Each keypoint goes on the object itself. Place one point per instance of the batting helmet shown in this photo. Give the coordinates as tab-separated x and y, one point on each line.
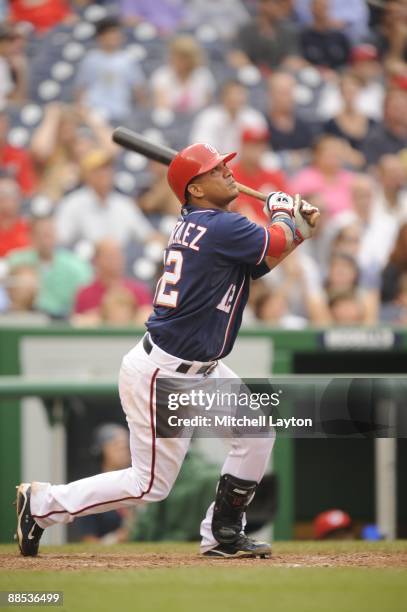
330	521
191	162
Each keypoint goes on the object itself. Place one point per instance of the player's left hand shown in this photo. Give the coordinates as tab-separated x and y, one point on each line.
303	213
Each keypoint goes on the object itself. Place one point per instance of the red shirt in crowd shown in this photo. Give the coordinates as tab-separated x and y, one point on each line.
91	296
14	237
43	14
261	180
20	165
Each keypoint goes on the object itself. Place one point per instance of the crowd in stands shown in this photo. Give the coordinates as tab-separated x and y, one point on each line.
311	93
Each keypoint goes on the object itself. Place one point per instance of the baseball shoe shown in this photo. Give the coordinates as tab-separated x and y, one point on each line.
28	531
243	548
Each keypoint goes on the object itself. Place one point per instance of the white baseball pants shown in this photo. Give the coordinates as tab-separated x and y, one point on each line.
155	461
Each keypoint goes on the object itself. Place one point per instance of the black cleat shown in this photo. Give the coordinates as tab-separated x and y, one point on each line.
28	531
242	548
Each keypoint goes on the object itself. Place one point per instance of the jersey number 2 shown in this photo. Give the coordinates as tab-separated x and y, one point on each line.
170	277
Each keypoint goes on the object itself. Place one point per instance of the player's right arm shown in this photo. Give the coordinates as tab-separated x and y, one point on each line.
237	239
290	246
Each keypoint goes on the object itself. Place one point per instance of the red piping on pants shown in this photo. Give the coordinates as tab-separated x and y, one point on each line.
152	464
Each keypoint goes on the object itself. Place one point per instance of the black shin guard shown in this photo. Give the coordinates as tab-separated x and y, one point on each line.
232	498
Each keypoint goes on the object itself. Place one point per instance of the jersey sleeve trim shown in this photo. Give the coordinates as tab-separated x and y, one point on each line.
265	247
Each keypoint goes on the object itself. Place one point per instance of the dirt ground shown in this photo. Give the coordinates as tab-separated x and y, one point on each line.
118	561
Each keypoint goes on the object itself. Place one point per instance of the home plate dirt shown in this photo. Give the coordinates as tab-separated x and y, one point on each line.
49	561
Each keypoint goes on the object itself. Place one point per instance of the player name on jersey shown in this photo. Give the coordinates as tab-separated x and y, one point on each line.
187	234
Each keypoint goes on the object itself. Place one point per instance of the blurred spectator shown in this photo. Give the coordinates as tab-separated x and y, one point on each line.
111	448
165	15
224	16
268	41
96	211
288	133
126	295
250	171
271	307
390	34
6	79
396	268
17	161
343	278
109	78
391	135
14	230
353	16
391	193
395	310
184	84
350	124
323	42
347	308
59	142
221	125
333	525
61	272
22	284
298	279
119	308
366	67
158	198
42	14
326	175
377	226
13	65
348	241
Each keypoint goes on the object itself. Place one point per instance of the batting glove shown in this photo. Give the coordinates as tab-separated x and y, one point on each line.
279	203
303	229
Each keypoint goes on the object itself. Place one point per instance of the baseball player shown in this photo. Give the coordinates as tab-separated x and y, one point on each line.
210	259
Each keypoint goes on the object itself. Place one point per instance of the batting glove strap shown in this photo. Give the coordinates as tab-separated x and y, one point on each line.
298	236
287	221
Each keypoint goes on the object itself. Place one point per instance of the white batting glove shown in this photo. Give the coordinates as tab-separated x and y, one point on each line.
279	203
303	229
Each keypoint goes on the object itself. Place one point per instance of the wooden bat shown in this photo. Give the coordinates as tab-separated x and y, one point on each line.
133	141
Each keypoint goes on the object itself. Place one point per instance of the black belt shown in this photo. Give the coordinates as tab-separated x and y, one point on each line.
183	367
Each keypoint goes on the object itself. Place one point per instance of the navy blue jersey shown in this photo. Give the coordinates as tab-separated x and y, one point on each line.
200	298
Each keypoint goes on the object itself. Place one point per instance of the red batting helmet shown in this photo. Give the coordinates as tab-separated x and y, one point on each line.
191	162
330	521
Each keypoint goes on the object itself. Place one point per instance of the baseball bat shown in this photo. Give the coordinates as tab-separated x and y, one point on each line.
133	141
